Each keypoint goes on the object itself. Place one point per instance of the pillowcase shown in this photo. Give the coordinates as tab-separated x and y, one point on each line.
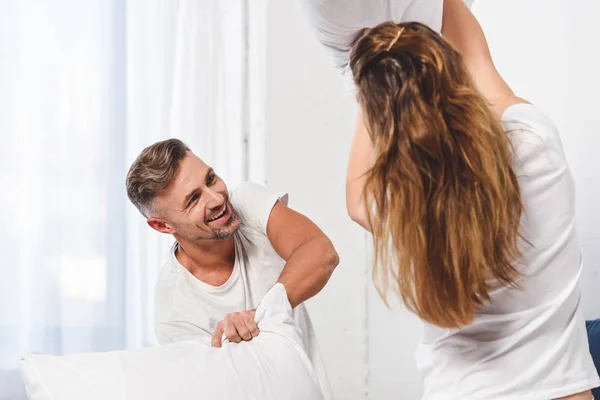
274	365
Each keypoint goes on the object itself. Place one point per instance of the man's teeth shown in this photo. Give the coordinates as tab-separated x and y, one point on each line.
219	215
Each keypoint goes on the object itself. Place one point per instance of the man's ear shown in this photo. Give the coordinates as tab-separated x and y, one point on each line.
160	225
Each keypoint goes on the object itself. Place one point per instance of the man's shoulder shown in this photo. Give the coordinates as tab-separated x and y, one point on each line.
256	196
167	277
166	286
168	274
245	189
253	204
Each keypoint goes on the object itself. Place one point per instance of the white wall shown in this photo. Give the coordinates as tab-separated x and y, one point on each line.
368	349
550	55
309	126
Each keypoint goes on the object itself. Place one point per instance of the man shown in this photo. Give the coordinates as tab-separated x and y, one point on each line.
230	249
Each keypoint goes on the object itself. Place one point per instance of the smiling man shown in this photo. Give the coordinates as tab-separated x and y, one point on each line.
230	249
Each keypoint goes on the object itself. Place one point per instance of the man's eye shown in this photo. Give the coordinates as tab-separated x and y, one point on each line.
211	179
193	199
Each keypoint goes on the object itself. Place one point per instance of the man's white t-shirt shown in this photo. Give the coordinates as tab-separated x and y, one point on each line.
188	308
528	343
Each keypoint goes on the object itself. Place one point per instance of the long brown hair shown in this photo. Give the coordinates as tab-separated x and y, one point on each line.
447	201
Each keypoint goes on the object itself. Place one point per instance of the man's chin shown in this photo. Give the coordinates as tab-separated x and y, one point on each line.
223	235
228	231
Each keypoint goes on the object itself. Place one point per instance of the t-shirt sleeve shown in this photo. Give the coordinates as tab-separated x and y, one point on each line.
253	204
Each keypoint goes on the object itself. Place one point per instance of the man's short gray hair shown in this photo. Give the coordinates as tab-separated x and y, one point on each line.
152	172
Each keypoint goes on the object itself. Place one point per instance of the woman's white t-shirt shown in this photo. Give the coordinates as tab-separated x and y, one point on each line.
529	343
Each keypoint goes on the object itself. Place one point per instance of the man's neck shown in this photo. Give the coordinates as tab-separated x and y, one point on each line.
211	261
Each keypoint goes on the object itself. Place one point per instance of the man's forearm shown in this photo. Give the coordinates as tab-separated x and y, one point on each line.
308	269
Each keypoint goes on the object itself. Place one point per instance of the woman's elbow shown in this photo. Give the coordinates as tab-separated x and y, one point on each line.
354	213
353	206
358	215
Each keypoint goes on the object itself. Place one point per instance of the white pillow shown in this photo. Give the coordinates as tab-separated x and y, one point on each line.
273	365
336	23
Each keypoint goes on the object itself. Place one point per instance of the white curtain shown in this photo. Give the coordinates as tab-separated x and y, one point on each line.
186	74
84	86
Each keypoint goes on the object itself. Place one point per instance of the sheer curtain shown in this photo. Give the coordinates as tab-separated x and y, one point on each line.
186	74
84	86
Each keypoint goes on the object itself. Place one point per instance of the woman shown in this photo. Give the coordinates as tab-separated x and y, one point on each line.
468	194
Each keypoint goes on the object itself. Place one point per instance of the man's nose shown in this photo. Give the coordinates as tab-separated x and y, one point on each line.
213	198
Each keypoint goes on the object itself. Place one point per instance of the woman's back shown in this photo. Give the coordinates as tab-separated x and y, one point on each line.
528	342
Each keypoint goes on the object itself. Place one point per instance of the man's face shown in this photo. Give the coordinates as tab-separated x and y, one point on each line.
196	205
